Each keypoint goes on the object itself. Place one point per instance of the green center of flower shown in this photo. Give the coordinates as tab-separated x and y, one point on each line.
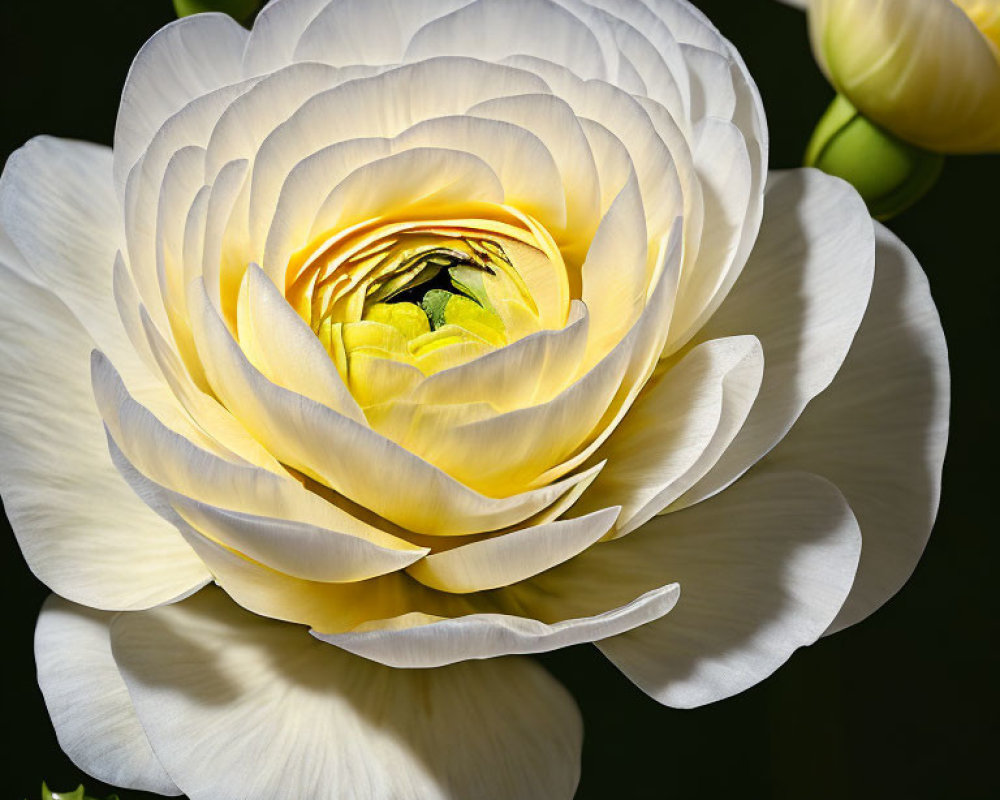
436	286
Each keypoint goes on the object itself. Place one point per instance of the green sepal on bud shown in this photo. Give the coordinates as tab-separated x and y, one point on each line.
76	794
890	174
240	10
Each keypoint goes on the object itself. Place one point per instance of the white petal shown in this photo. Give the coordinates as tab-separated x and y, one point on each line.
492	29
58	206
523	164
239	708
289	224
280	344
728	192
314	438
432	175
82	530
512	556
763	567
802	293
276	32
553	121
183	60
87	700
146	450
532	370
879	432
616	274
368	31
407	95
665	435
352	552
423	643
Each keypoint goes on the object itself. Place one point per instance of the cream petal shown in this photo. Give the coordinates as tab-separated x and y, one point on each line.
88	702
727	189
278	343
190	127
313	438
183	60
346	727
523	164
368	31
250	118
58	206
163	456
616	273
493	29
553	121
432	175
354	552
276	32
763	567
645	341
229	438
512	556
476	636
654	54
665	435
812	270
221	279
712	90
879	431
81	529
302	194
525	443
530	371
654	163
407	95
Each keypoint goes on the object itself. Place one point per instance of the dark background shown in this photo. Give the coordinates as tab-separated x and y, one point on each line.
902	705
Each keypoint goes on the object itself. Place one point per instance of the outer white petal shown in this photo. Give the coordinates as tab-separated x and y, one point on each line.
184	60
802	293
879	432
58	206
87	700
670	429
512	556
764	567
82	530
420	641
282	347
493	29
239	708
368	31
276	32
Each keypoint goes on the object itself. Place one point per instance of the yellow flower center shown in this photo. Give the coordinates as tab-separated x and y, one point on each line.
396	299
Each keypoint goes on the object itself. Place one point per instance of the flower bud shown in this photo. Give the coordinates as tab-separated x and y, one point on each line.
890	174
928	71
240	10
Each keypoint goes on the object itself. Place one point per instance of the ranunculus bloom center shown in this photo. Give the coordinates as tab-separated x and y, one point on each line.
395	299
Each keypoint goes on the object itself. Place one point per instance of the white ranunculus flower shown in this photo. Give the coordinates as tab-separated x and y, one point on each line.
449	330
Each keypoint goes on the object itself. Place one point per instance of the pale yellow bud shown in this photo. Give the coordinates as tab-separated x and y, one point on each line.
927	70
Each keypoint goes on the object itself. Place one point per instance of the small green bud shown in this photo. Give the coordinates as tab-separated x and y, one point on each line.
240	10
76	794
433	304
890	174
